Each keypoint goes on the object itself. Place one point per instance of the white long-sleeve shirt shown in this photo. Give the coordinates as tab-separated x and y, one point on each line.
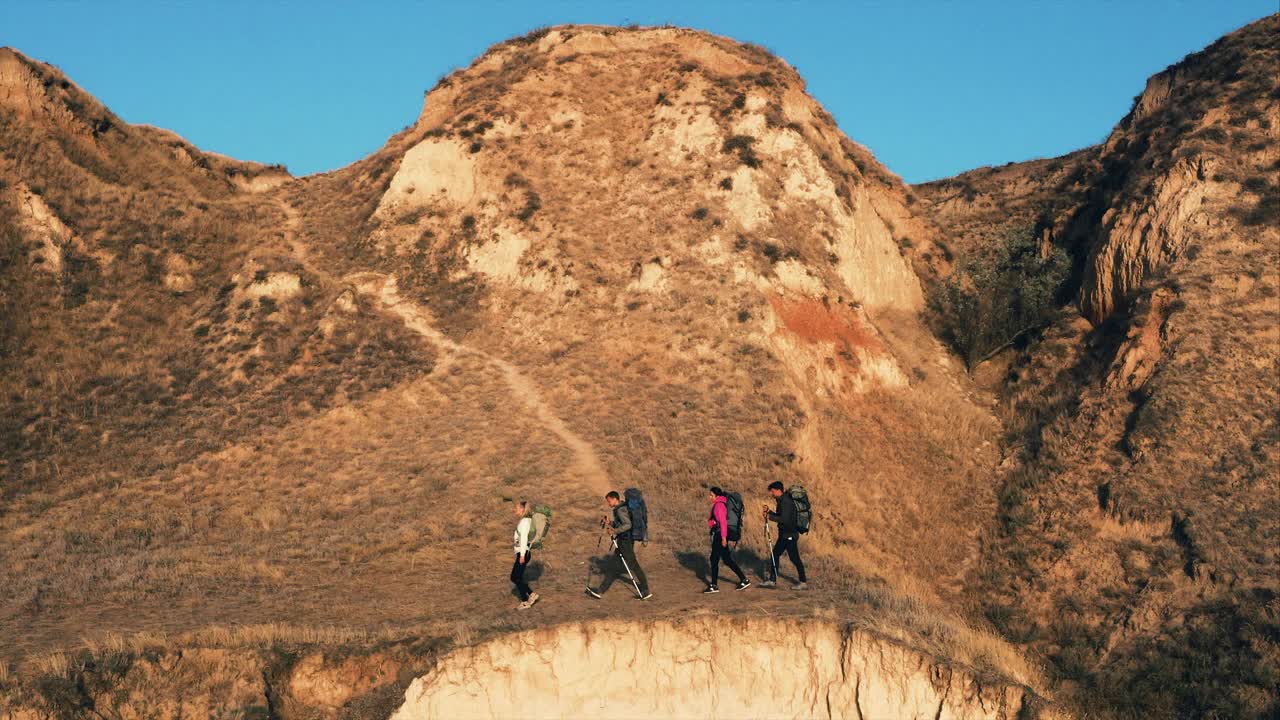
521	539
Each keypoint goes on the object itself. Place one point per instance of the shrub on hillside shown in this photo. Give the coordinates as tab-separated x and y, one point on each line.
993	300
742	145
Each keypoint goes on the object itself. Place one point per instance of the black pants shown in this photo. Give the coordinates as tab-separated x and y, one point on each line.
626	551
719	551
791	544
517	576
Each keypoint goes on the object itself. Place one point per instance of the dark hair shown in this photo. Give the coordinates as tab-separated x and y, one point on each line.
613	494
775	485
716	491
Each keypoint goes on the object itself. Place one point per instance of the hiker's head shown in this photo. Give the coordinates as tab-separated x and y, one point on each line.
521	507
775	489
714	493
613	499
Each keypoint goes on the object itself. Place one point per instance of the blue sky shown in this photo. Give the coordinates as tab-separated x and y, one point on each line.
932	88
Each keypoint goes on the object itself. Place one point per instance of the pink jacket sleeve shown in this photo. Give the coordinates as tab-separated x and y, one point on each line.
721	513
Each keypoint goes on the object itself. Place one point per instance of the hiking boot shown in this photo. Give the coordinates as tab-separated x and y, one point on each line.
533	598
743	585
711	590
646	596
768	583
594	594
800	586
524	605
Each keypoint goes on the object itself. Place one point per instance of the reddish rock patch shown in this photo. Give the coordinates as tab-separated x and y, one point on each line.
819	321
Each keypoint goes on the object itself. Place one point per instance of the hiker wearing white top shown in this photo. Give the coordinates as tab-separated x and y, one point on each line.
524	527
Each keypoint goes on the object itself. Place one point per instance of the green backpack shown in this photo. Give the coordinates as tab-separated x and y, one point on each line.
541	524
804	511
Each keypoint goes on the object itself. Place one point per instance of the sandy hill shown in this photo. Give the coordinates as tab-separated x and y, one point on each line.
264	430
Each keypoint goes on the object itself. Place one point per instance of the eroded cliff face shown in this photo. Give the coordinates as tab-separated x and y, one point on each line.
1140	237
702	668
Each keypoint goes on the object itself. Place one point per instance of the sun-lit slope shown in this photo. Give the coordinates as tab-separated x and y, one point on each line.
599	258
1137	546
705	277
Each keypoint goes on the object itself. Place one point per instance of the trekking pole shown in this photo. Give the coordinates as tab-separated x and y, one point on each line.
627	568
768	547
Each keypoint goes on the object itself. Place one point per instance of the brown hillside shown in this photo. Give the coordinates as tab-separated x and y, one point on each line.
600	258
261	433
1137	540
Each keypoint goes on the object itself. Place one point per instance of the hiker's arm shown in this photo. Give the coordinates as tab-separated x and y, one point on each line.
722	521
522	535
621	521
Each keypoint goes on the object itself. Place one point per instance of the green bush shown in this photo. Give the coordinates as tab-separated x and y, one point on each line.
992	300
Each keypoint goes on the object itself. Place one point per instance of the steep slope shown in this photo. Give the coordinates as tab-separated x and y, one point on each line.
600	258
1137	546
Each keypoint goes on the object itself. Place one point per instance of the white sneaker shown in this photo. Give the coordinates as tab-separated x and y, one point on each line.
533	598
524	605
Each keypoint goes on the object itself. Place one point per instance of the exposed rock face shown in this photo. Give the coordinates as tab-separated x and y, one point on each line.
705	668
1140	237
1193	127
44	230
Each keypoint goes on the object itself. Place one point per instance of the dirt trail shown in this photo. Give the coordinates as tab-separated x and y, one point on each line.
586	463
292	222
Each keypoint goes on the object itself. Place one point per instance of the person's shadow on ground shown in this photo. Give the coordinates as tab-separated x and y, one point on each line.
747	559
604	571
696	562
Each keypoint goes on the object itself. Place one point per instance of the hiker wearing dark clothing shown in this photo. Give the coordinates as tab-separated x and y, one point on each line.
524	528
623	560
718	524
785	515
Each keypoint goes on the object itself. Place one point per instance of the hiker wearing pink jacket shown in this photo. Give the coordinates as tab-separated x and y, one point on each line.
719	526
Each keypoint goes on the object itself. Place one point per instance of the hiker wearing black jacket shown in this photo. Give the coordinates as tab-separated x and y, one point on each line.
788	536
623	560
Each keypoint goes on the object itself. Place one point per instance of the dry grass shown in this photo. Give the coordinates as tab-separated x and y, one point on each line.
1132	545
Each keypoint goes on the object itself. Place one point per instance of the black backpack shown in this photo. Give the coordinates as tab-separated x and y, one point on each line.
639	514
733	515
804	512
